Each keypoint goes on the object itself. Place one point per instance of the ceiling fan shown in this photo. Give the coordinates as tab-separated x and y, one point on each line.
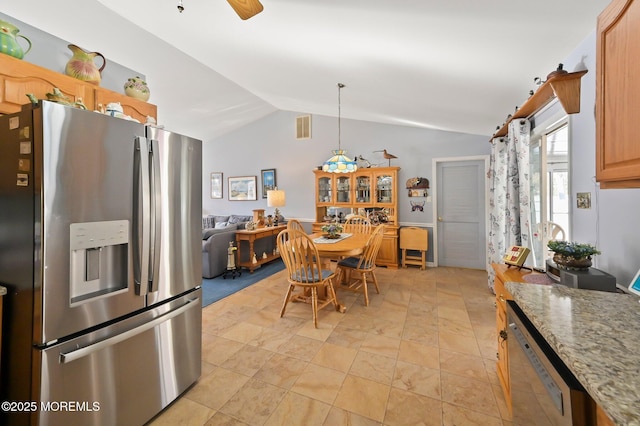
244	8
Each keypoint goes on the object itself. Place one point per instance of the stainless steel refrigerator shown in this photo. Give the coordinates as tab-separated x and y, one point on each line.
100	252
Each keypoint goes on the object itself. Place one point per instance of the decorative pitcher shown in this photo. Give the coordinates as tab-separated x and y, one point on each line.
83	67
9	40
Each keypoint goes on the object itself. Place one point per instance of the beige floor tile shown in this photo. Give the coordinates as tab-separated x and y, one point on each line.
371	366
417	379
458	343
300	347
184	412
295	409
364	397
335	356
242	332
345	336
463	364
281	371
453	415
381	345
216	388
338	416
254	402
409	409
248	360
221	419
416	353
422	352
469	393
216	350
320	383
270	339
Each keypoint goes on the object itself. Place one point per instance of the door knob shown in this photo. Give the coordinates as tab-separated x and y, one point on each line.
439	218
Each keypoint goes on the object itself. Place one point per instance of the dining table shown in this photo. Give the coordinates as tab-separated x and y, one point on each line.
347	245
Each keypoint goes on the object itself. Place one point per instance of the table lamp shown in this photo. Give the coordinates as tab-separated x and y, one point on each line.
276	198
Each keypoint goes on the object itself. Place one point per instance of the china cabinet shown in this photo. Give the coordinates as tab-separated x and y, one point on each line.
371	191
18	77
617	95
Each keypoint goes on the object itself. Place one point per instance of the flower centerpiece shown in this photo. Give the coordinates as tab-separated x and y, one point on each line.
332	230
572	255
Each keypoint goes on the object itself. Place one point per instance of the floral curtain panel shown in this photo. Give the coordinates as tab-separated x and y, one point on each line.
509	193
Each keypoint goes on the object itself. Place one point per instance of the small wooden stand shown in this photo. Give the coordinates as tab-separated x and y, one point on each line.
414	238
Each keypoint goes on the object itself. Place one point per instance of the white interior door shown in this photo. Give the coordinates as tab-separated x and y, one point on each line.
461	212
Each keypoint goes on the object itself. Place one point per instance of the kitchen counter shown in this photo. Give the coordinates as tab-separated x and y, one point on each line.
597	335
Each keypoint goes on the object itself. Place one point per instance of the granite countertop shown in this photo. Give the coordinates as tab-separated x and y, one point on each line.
597	335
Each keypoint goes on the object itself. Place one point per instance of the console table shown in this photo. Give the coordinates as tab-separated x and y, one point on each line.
251	237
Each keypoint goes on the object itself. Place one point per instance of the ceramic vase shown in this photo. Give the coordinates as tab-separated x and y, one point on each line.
9	40
137	88
82	65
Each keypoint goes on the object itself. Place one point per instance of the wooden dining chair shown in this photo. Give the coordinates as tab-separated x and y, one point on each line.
356	268
304	270
357	224
295	224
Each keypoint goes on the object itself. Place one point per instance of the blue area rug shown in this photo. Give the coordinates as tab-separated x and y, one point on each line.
214	289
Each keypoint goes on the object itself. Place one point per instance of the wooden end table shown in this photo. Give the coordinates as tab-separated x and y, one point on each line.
251	237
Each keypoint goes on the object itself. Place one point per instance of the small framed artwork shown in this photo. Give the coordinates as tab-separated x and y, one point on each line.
216	185
268	181
242	188
583	200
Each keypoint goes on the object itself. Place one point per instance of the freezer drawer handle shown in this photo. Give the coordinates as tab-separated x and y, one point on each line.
87	350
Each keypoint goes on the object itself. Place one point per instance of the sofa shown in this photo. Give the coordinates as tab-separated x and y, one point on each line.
217	232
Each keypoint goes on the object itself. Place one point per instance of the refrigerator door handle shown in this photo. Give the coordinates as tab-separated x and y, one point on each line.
156	218
141	215
67	357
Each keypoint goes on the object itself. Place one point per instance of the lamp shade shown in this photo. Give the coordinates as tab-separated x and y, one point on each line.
340	163
276	198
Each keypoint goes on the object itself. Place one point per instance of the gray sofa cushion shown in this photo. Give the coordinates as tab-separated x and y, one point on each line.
206	233
234	218
210	220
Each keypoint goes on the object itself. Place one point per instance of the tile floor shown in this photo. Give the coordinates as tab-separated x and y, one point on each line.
422	353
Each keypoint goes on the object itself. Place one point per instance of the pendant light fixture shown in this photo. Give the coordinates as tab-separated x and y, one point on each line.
339	162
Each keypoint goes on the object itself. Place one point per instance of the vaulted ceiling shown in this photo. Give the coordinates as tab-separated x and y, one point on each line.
458	65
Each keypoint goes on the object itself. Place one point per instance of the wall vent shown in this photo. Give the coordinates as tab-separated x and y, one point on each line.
303	127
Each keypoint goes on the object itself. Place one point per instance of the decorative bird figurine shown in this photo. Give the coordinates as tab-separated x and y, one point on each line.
386	155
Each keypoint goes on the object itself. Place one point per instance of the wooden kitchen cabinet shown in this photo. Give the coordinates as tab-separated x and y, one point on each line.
369	189
618	95
18	77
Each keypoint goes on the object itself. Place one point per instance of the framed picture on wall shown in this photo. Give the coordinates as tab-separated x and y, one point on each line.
268	181
242	188
216	185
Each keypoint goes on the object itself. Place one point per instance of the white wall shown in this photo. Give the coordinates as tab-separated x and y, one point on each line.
612	222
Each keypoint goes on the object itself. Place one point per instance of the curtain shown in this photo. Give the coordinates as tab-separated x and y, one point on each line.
509	194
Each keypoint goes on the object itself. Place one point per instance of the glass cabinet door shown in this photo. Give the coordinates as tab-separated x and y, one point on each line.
324	190
343	189
363	189
384	189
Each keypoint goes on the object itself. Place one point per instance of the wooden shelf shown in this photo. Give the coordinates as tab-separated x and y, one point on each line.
566	87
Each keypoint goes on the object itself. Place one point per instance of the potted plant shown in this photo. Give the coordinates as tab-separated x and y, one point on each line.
572	255
332	230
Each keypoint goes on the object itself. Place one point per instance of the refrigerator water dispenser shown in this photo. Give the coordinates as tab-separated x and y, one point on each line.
99	253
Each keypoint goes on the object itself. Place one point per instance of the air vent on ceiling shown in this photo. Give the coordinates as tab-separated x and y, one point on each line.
303	127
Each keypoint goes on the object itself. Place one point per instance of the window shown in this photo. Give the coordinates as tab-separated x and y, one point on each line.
550	186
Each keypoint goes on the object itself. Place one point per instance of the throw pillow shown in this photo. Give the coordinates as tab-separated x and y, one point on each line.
221	225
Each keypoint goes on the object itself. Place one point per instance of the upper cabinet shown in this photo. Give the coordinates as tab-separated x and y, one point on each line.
618	95
18	77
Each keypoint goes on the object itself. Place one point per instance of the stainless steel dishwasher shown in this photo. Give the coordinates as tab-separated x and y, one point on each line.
543	390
